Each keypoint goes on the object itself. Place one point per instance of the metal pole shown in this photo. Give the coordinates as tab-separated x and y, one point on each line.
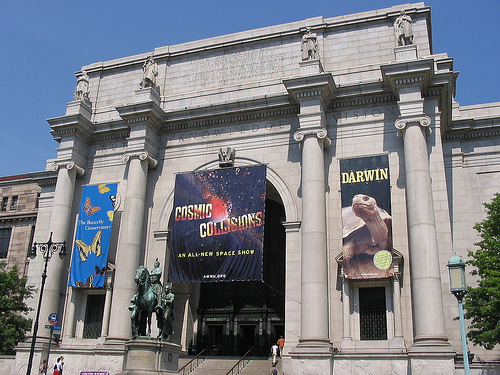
35	326
50	342
464	340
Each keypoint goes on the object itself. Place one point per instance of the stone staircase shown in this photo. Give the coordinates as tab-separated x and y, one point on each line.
221	365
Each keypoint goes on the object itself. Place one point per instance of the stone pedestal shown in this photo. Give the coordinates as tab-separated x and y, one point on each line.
310	67
151	356
408	52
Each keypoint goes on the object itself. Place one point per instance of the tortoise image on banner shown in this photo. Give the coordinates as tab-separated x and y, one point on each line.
367	239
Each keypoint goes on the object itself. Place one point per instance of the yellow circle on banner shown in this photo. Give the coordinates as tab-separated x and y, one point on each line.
382	259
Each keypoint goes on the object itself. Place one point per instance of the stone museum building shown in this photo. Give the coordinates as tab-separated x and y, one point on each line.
374	177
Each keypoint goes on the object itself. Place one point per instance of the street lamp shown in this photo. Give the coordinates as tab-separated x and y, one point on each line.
456	267
47	249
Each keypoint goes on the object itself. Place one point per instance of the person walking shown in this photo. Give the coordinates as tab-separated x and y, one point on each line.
274	370
58	366
281	344
274	353
43	367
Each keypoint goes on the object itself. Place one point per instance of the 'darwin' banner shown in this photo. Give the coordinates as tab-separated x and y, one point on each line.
366	217
93	232
218	225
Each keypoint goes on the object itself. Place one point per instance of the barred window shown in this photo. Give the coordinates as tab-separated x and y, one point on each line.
4	242
372	313
5	201
93	316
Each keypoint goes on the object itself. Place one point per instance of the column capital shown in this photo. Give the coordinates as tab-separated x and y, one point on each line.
141	155
70	164
320	133
423	120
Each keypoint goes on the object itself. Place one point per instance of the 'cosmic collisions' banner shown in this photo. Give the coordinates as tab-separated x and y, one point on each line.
93	232
218	225
366	217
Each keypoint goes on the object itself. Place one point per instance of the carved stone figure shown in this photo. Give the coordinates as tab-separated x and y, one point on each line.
82	87
404	29
226	157
165	314
309	45
149	73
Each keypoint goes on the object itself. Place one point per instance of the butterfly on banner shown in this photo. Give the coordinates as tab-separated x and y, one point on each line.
88	284
88	209
94	247
99	271
103	188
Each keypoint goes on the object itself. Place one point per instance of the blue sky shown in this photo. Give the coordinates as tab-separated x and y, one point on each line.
43	43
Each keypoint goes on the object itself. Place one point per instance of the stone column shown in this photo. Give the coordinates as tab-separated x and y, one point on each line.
346	311
107	310
314	350
129	244
428	317
69	319
314	273
59	224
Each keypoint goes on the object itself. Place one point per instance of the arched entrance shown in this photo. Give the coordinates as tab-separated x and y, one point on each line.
235	317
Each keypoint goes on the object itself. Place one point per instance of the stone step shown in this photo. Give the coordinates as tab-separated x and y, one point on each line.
220	366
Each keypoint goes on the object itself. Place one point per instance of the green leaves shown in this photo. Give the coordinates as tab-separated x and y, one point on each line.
482	303
13	323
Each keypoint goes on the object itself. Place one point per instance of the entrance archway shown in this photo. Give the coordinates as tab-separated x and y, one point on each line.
249	311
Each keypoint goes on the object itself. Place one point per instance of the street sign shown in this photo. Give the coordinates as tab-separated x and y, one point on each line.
55	328
53	319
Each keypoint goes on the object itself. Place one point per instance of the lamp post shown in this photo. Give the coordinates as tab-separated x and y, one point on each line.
47	249
456	267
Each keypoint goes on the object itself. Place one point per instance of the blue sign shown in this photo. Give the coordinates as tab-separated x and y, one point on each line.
53	319
55	328
93	233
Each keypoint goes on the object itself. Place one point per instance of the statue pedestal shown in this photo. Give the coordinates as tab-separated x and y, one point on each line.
150	356
309	67
408	52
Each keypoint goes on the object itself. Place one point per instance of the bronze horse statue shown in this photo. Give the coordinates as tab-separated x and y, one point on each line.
143	304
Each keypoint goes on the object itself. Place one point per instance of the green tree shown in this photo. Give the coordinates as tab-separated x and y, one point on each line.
482	303
13	309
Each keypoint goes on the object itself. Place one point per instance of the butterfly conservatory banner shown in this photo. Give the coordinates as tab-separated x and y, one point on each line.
93	232
218	225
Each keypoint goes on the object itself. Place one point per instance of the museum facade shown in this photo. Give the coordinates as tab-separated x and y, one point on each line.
374	178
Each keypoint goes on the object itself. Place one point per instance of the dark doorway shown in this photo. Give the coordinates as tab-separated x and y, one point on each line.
247	338
215	339
250	304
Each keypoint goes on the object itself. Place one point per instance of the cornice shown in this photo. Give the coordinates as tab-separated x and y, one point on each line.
227	113
321	86
472	133
19	217
71	125
148	112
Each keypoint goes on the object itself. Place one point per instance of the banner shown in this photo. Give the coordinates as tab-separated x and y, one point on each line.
93	232
366	217
218	225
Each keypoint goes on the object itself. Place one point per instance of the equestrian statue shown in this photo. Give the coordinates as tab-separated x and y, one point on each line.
151	297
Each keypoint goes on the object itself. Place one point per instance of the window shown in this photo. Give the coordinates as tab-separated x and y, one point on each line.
372	313
4	241
93	316
13	205
5	201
